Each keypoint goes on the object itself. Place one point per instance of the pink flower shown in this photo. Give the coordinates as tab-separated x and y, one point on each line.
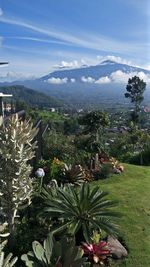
96	252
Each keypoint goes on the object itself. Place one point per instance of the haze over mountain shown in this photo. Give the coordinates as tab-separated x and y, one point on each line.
102	83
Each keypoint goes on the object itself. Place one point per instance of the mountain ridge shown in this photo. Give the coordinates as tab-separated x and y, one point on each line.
105	68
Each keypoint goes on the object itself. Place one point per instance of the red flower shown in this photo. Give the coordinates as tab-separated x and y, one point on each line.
96	252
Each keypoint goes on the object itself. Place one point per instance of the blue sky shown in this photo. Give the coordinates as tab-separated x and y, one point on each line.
37	36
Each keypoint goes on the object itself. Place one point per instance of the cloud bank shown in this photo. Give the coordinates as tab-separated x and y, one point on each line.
117	77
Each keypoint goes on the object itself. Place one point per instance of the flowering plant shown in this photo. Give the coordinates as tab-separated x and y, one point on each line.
96	252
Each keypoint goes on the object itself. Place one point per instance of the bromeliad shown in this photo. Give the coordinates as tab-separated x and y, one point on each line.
96	252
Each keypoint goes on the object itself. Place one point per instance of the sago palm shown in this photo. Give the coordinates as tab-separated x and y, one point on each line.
85	210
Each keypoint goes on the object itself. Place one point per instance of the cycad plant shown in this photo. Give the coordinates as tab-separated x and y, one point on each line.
81	211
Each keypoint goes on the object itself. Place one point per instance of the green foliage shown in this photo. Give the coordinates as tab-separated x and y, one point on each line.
94	124
20	105
31	226
71	126
30	97
85	210
94	121
54	119
57	145
16	149
104	172
54	253
136	159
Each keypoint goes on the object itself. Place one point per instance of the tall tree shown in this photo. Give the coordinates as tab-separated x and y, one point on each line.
135	90
94	124
16	149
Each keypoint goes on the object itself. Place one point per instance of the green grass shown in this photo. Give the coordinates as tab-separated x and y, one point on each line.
132	189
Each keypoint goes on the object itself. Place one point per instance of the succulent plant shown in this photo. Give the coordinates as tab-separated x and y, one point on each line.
53	253
16	149
7	261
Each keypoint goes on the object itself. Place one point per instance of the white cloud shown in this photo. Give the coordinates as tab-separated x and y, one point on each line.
147	67
72	80
103	80
82	39
71	64
40	40
1	11
122	77
115	59
87	79
117	77
54	80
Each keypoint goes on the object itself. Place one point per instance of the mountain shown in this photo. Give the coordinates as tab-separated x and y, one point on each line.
106	68
30	97
100	85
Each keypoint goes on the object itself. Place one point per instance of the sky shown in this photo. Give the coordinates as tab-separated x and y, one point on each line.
39	36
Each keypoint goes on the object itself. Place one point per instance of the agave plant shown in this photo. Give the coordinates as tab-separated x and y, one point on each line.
85	210
73	174
62	253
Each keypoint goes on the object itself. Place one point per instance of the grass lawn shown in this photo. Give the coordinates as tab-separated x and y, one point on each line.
132	189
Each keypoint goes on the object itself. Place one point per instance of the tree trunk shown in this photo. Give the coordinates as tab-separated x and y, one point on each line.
96	161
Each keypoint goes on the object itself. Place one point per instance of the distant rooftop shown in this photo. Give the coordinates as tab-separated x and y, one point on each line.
4	95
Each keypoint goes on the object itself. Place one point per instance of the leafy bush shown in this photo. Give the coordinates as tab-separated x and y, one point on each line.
104	172
136	159
57	145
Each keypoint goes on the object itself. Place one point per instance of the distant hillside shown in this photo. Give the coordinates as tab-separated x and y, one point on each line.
102	85
30	97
